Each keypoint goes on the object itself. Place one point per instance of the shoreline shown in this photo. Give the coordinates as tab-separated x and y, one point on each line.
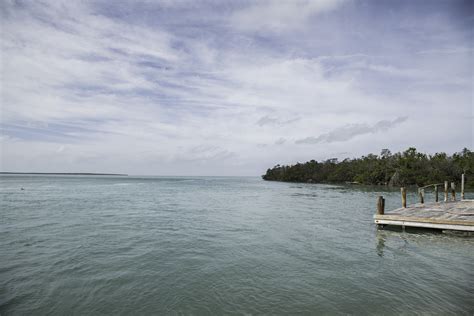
66	173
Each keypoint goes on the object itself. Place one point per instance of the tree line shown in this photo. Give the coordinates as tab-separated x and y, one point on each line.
409	167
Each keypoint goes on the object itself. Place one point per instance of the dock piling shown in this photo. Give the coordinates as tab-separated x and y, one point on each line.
380	205
436	192
453	191
421	194
446	191
404	196
462	186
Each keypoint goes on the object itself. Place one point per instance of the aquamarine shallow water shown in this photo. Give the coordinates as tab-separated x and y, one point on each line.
204	245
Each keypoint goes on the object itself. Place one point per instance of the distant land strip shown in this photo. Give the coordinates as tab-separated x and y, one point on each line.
68	173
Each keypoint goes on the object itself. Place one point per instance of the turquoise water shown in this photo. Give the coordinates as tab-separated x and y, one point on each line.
215	245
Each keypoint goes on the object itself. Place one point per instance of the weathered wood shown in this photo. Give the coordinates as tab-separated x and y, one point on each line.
446	191
404	196
458	215
424	225
380	205
430	185
422	220
421	194
436	192
462	186
453	191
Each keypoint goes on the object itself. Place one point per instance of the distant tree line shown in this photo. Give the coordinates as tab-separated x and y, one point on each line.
407	168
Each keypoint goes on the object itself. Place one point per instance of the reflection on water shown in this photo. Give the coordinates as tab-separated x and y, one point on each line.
400	233
403	236
380	243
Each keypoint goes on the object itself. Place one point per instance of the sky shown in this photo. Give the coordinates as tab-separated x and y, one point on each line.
190	87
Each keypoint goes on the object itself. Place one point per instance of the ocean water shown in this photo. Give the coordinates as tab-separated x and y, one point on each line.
216	245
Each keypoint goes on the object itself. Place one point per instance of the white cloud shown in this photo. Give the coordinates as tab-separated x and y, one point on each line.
350	131
84	90
280	15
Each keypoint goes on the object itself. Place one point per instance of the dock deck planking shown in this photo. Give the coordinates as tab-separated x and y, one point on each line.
452	215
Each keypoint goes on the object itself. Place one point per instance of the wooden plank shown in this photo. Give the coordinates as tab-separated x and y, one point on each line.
424	220
424	225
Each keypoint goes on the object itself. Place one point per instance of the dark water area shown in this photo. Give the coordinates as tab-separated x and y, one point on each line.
217	245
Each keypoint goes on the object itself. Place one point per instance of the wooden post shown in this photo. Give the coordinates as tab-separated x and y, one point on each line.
453	191
404	196
462	186
380	205
436	193
421	194
446	191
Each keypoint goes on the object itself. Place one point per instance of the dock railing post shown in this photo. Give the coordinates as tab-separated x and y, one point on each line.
453	191
421	194
404	196
380	205
436	193
462	186
446	191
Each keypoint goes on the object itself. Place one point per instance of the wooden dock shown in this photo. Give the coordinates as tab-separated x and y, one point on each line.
450	215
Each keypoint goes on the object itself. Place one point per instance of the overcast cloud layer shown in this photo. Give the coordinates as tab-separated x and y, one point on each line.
230	87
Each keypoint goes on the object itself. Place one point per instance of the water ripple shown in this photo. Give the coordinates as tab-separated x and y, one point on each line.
218	246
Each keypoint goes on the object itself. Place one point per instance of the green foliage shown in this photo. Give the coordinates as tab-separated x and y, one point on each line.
407	168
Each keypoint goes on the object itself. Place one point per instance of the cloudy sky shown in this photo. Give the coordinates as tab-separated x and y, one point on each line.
180	87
